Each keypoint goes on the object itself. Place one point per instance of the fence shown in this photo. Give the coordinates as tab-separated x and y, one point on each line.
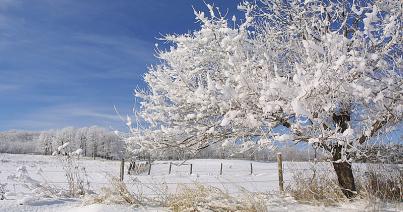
168	174
142	167
233	176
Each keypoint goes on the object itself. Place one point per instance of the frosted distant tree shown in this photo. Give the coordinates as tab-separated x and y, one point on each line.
65	135
46	142
113	145
326	73
59	139
81	139
104	143
93	136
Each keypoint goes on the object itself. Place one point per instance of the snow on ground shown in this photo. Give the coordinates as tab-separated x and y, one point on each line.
235	177
235	173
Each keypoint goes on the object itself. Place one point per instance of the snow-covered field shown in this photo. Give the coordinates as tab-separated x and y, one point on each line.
236	175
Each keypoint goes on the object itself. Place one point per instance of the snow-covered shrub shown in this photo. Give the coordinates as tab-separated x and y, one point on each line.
200	197
77	178
39	189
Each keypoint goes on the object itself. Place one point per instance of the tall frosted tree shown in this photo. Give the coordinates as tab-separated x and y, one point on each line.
323	72
341	61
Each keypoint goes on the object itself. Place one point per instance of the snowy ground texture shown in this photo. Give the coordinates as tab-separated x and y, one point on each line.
236	175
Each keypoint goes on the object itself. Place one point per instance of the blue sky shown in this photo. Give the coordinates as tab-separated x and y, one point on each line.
68	62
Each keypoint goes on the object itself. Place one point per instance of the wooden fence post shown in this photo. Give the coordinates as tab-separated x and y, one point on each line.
132	167
280	172
221	169
149	168
170	167
191	169
122	169
251	168
129	168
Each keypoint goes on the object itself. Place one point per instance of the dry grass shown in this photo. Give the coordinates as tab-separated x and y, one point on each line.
116	193
77	178
195	197
379	182
315	186
199	197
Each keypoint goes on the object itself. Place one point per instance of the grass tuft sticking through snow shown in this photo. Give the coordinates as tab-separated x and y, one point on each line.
116	193
376	183
200	197
192	197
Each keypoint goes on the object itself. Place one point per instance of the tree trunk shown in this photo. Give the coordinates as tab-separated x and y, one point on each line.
343	169
85	148
344	174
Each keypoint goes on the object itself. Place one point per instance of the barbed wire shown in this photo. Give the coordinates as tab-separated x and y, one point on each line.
156	183
255	170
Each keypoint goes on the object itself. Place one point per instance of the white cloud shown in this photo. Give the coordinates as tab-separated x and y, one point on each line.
59	116
94	114
76	110
7	87
120	49
5	4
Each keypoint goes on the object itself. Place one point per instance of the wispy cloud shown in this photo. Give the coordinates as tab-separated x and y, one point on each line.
67	62
45	63
8	87
118	50
4	4
59	116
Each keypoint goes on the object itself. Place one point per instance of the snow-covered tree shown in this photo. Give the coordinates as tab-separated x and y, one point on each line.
326	73
193	93
92	136
94	141
63	136
46	142
19	142
340	67
82	139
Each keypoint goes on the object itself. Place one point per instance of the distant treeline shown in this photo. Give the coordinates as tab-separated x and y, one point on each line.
100	142
379	153
94	142
289	151
19	142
